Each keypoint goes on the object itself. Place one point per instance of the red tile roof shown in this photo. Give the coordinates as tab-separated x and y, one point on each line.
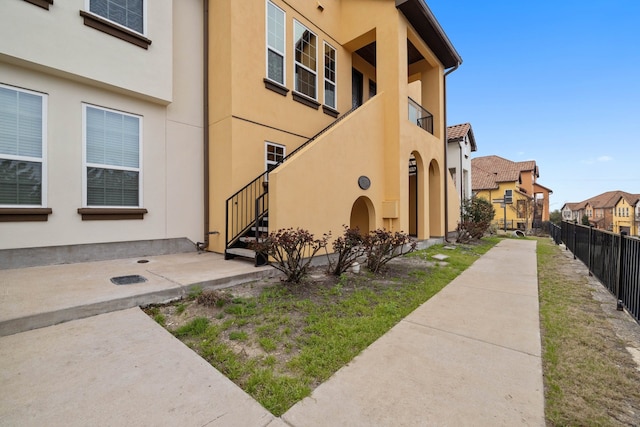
458	132
606	200
489	171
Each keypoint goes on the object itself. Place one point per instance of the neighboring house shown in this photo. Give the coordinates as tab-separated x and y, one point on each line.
460	144
572	211
122	97
101	129
495	178
625	215
614	211
325	85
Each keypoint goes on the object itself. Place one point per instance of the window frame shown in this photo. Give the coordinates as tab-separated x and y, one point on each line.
268	162
274	49
86	164
296	64
107	26
87	8
43	147
335	74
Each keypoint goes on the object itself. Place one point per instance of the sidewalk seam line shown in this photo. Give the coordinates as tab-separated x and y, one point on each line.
470	338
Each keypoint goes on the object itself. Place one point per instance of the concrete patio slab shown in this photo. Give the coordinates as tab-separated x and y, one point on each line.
36	297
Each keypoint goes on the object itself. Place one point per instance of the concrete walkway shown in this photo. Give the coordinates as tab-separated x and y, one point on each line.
470	356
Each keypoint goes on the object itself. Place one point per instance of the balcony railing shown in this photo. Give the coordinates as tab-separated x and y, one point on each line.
421	117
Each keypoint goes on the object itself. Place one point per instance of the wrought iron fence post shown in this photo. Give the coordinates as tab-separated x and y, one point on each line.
590	250
575	231
619	288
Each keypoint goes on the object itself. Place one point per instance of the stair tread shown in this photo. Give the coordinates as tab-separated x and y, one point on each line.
247	253
251	239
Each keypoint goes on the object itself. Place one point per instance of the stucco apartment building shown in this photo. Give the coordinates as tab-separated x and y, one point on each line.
159	120
101	129
616	211
496	178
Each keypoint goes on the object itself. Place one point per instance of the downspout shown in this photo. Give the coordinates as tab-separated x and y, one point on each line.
205	109
446	168
461	177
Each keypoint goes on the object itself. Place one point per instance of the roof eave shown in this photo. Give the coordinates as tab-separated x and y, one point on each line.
428	28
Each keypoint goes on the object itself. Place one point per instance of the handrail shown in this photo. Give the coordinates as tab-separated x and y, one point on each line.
239	212
422	117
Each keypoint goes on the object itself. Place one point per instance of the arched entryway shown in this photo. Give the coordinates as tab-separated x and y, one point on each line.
435	206
362	215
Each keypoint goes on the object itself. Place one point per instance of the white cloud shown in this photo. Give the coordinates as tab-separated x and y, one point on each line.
600	159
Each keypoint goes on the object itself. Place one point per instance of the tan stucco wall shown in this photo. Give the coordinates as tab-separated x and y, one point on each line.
316	189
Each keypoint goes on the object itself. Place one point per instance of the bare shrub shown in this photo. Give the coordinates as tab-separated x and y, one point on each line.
381	246
347	248
292	251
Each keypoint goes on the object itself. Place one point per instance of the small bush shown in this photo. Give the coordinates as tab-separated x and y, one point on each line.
347	248
381	246
213	298
292	251
477	214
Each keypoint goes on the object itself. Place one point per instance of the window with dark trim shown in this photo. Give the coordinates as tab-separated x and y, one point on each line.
124	19
112	171
305	47
330	91
275	44
23	165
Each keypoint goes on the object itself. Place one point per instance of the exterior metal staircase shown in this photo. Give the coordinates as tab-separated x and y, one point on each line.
247	210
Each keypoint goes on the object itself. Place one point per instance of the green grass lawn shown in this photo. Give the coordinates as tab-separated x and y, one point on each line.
281	344
590	379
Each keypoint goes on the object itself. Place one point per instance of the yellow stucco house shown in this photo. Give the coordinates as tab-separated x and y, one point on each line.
311	123
626	214
495	178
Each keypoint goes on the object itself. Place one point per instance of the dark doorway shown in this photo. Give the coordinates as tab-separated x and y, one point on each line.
357	86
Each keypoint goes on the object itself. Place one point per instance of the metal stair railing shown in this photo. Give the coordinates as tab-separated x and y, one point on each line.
247	206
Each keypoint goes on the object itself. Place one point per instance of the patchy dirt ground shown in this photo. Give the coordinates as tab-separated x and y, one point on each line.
216	305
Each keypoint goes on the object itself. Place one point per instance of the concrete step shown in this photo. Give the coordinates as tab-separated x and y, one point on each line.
246	253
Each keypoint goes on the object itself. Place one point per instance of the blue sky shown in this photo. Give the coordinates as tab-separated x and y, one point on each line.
555	81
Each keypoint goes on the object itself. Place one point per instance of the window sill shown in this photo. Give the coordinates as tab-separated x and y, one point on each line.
110	214
24	214
330	111
276	87
303	99
42	3
100	24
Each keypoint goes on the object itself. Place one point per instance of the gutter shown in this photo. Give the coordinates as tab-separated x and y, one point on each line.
446	167
205	108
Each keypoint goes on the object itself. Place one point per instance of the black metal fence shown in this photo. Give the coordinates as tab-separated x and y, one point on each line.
613	259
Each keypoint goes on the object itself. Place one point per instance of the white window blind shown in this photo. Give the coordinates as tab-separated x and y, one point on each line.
112	146
22	137
275	43
128	13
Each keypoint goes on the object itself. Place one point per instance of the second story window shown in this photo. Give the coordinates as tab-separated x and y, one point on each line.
22	148
305	64
275	43
329	76
128	13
